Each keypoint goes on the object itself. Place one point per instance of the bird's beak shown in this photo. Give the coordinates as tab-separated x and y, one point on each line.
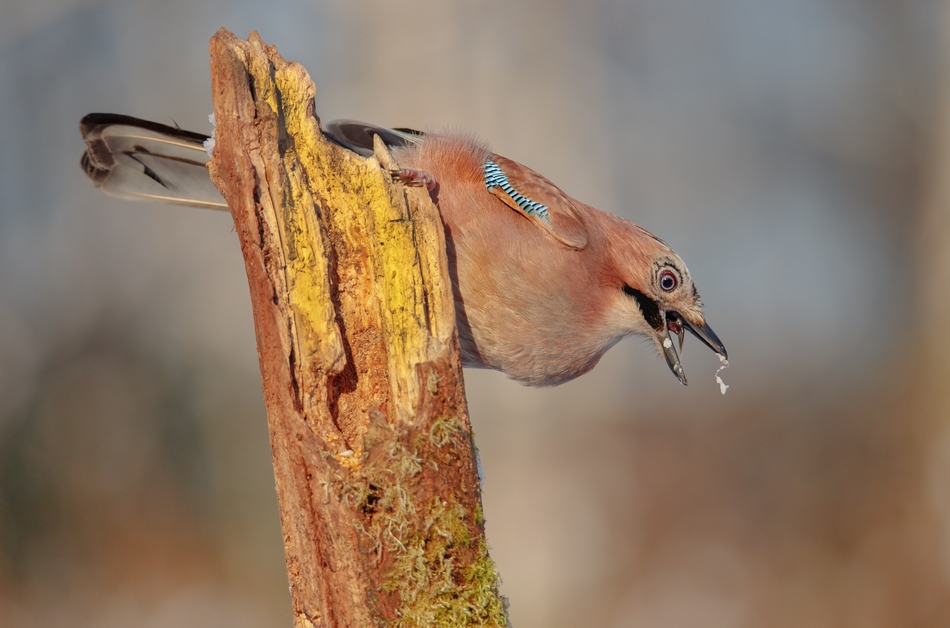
677	324
708	336
670	352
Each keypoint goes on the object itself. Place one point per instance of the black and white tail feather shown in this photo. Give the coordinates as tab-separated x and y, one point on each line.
140	160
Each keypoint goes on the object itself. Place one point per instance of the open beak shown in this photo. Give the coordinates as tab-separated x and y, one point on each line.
677	325
671	353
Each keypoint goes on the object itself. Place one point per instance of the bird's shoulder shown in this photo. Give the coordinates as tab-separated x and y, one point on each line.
462	160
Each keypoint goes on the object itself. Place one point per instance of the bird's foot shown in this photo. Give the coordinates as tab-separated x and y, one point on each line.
414	178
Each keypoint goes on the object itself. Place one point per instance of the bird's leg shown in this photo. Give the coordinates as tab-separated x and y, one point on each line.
414	178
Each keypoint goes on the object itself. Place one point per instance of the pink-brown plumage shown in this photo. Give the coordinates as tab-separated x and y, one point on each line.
530	304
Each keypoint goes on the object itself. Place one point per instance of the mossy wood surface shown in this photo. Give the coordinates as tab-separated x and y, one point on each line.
355	323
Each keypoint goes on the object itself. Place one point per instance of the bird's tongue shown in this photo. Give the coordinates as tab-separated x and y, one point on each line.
676	328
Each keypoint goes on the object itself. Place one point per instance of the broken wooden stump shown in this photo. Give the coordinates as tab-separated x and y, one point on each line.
355	322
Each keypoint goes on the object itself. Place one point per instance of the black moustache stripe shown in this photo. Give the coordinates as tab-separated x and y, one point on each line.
648	307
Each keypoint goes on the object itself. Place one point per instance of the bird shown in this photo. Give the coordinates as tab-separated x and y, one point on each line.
544	284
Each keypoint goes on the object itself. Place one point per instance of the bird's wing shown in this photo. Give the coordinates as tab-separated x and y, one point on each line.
539	200
141	160
523	189
358	136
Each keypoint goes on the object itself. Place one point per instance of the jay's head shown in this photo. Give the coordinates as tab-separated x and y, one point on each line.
655	294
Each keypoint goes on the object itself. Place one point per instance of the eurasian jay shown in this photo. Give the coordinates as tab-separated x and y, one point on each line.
544	284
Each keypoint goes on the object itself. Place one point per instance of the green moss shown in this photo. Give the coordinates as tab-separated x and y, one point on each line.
443	429
479	515
432	589
440	569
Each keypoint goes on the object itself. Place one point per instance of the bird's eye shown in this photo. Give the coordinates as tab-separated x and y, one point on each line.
668	281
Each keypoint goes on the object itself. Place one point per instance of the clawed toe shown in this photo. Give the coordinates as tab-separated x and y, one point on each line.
414	178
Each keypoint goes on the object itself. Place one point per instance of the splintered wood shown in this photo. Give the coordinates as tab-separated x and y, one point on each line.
353	312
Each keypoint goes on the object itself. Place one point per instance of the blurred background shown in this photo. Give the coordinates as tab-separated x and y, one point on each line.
796	153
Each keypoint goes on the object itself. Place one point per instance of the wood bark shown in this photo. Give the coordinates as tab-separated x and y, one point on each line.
374	460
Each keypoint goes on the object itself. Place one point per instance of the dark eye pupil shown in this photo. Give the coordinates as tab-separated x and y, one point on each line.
667	282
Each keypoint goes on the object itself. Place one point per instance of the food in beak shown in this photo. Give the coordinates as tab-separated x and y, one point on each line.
676	324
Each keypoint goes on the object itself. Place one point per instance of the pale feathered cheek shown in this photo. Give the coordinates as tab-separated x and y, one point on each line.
625	318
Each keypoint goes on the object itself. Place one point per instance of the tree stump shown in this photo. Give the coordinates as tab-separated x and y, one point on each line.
373	454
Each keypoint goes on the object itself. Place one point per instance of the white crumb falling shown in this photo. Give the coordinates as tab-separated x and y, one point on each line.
723	386
209	143
667	343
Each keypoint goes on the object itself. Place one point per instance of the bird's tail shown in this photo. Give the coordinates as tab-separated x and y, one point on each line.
140	160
